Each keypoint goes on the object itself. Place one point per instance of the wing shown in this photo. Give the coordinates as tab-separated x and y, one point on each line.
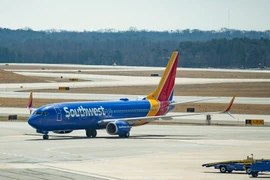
148	119
196	100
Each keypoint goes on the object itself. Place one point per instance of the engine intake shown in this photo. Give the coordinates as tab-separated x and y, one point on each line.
118	127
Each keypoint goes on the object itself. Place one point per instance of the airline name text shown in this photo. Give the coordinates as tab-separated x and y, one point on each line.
84	112
123	127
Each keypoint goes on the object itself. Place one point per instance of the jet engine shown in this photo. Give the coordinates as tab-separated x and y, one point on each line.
120	128
62	131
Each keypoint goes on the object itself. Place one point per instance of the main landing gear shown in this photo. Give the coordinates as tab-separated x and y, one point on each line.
91	133
124	135
45	136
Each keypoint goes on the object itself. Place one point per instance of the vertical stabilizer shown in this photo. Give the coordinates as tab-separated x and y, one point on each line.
165	88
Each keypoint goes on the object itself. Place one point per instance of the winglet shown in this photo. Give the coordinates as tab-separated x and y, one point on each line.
230	105
30	103
227	111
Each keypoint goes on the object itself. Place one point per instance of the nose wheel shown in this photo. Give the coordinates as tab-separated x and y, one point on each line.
45	136
91	133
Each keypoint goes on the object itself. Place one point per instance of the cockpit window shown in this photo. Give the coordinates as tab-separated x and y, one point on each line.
37	113
41	113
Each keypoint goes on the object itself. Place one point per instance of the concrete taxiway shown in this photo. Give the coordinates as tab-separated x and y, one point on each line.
104	97
159	152
108	81
76	67
152	152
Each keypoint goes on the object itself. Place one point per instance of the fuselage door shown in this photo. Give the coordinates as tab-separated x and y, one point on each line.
58	114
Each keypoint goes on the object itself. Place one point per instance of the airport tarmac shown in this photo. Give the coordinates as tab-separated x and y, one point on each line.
151	152
112	68
109	81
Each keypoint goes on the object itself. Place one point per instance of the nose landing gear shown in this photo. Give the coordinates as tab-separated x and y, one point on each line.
45	136
45	133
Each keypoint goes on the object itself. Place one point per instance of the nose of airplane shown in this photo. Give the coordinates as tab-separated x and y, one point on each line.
32	121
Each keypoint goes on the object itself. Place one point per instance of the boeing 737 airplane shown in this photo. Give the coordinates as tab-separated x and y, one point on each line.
117	117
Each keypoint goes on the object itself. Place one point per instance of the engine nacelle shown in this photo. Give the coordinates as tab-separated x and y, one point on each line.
118	127
62	131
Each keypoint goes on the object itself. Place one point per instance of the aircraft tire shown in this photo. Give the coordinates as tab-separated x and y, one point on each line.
124	135
94	133
254	174
88	133
248	170
45	136
91	133
223	169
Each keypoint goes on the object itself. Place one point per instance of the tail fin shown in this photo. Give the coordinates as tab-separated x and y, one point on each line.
30	103
165	88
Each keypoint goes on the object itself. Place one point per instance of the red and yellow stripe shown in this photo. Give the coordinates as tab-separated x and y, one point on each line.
159	100
166	83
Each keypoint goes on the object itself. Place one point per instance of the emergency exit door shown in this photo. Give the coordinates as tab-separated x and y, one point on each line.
58	114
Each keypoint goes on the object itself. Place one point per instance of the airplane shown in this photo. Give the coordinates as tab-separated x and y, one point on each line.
117	117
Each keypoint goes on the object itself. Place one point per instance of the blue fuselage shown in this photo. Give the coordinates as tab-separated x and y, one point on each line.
86	115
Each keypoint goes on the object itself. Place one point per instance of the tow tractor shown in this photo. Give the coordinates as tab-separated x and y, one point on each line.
232	165
259	166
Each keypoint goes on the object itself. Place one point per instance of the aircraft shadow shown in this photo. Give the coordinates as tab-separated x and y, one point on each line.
157	137
174	137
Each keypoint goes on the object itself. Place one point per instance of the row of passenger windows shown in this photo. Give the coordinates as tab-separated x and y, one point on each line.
132	110
115	111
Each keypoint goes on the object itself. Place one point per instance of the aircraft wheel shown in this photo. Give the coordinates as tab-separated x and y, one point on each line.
45	136
91	133
223	169
88	132
248	170
254	174
94	133
124	135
